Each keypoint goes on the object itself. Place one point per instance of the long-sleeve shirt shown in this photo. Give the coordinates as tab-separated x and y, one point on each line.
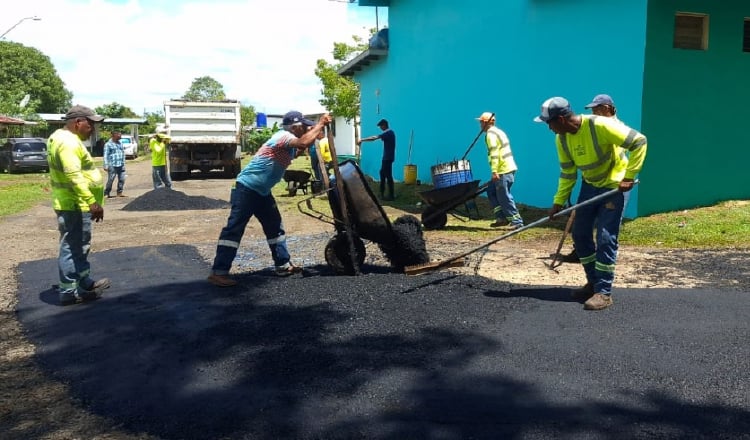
598	149
498	151
76	182
114	154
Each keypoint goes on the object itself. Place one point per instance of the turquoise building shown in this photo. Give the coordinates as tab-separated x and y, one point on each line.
676	69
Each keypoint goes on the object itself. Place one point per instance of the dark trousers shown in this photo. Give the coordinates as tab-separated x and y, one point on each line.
386	176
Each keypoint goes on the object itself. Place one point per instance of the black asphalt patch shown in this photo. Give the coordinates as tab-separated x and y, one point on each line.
385	355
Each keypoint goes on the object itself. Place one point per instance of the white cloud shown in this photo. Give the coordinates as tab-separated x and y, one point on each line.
140	53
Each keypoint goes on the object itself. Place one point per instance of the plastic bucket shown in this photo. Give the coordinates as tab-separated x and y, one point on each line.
410	174
451	173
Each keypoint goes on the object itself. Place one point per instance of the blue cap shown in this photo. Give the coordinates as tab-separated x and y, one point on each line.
553	108
601	100
295	117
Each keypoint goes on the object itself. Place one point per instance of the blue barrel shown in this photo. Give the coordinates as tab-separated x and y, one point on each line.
261	120
451	173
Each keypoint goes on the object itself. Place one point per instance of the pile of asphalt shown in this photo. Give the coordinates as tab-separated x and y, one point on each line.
384	355
164	199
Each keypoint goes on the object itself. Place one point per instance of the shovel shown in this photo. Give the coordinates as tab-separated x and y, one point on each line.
452	262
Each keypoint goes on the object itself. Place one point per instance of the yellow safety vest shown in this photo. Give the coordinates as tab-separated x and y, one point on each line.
598	150
158	152
498	151
75	180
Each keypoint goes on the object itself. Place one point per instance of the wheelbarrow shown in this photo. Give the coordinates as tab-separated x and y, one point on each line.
401	241
440	201
296	180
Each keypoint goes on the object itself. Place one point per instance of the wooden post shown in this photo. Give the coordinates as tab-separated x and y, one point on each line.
343	204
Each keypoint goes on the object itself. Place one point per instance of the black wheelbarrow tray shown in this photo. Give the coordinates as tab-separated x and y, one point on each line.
401	241
440	201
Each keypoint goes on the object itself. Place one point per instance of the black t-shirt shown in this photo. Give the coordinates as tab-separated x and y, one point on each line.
389	144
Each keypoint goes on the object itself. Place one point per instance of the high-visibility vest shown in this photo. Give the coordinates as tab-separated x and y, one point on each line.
75	180
598	149
499	154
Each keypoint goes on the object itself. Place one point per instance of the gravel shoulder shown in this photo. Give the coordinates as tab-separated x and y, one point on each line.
34	406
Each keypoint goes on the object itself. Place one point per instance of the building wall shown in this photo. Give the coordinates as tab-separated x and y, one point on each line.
695	109
450	61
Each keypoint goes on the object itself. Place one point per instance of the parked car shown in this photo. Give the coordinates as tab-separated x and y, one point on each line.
130	145
19	154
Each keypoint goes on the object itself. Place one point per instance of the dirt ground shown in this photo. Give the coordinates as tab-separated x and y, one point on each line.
34	406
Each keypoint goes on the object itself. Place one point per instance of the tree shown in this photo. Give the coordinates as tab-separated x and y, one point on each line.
205	88
27	71
247	115
340	94
115	110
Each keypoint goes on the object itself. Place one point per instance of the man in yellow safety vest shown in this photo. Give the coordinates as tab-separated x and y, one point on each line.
597	146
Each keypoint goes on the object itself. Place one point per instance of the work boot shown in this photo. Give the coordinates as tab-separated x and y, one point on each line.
221	280
498	223
583	293
121	195
287	269
599	301
94	291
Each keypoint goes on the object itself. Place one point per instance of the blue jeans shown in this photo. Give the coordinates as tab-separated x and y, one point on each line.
160	176
245	204
113	172
501	200
598	259
75	243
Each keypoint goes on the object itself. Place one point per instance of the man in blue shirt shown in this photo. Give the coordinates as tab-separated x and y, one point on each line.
114	164
252	197
389	155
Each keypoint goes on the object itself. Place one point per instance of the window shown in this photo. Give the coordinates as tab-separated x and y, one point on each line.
690	31
746	36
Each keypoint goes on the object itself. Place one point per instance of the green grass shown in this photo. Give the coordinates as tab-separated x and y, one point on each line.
724	225
19	192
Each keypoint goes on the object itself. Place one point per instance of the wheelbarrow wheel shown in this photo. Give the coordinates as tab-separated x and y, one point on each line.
337	254
432	218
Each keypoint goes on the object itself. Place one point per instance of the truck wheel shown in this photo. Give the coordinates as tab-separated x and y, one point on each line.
433	219
337	254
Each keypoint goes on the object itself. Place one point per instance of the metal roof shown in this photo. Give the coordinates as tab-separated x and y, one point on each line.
7	120
58	117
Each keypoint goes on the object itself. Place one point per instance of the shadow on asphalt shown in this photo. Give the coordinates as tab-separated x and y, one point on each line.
377	356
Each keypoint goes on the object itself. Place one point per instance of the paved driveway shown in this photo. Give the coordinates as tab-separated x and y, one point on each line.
438	356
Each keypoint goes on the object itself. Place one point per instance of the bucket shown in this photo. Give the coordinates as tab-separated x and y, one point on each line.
451	173
410	174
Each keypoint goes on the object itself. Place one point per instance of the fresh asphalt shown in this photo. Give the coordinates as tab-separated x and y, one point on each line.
382	356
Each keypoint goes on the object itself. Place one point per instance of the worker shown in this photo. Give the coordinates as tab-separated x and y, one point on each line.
77	197
590	143
503	168
325	152
601	105
389	155
158	146
252	197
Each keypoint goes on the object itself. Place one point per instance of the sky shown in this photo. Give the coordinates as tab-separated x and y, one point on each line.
140	53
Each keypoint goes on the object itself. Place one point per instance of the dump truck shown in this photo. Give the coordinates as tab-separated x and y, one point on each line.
204	138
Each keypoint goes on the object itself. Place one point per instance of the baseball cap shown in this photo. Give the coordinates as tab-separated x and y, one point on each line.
601	100
486	116
81	111
553	108
295	117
